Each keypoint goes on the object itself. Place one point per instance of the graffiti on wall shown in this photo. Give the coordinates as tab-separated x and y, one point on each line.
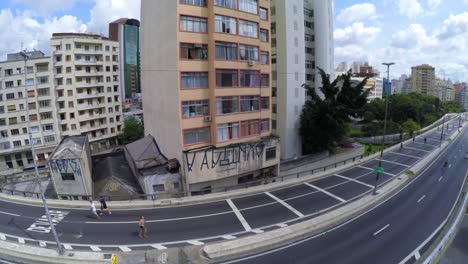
65	165
226	156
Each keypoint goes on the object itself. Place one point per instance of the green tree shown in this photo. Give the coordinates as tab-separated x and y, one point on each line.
409	126
323	121
132	131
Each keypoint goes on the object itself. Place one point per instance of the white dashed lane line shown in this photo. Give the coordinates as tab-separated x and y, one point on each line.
422	198
382	229
326	192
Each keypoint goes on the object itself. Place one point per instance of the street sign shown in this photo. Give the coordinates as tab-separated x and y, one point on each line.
114	259
378	169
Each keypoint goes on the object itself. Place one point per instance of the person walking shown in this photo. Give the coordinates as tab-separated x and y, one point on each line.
104	206
141	224
425	140
93	209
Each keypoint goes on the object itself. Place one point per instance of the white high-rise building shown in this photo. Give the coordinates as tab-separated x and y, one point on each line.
302	41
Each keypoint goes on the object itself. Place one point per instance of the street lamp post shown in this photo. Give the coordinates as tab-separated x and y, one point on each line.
442	132
33	153
384	130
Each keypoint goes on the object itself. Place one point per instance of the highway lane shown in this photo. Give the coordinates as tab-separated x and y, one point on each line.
393	230
212	221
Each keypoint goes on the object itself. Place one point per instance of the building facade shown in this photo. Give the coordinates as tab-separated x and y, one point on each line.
423	79
127	33
33	82
302	40
206	88
87	85
462	97
443	89
374	85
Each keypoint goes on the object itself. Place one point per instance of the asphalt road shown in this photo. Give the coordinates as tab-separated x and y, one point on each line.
393	230
214	221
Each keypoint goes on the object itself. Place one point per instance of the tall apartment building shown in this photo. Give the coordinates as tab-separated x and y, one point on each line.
87	86
375	86
206	89
443	89
127	33
461	96
302	40
423	79
34	81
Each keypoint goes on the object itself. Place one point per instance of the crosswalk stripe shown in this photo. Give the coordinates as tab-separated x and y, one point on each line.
195	242
95	248
159	246
125	249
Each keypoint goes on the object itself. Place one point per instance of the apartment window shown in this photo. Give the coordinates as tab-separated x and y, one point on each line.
34	129
249	6
226	51
227	3
33	117
44	103
10	96
273	28
195	108
249	103
43	92
249	78
195	136
9	84
270	153
68	176
263	13
228	131
248	29
2	122
32	106
68	46
264	57
17	143
265	80
14	132
265	125
42	80
193	24
308	13
11	108
3	133
194	2
190	80
225	24
309	77
263	35
309	38
250	128
189	51
309	50
308	24
227	105
248	53
49	139
31	94
45	116
226	78
48	127
265	103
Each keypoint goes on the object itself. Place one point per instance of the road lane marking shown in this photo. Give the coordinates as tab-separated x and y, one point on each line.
258	231
95	248
390	174
401	164
382	229
68	247
441	177
239	215
401	154
356	181
125	249
1	212
42	244
2	237
21	240
282	225
417	255
417	149
229	237
195	242
292	209
159	247
6	262
325	192
425	144
422	198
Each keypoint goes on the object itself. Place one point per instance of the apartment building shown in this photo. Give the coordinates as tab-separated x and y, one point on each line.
86	81
302	40
33	82
375	86
423	79
206	89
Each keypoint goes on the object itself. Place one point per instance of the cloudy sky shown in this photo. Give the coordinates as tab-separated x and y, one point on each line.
408	32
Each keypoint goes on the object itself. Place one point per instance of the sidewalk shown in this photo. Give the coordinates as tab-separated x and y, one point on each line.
458	251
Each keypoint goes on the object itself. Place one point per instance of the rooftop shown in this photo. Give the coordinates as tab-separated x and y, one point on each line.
69	148
78	35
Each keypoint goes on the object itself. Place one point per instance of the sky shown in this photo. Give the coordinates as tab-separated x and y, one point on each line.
407	32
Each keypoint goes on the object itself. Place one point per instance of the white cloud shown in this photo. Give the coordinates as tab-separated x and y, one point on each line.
358	12
357	33
433	4
44	7
415	36
410	8
454	25
106	11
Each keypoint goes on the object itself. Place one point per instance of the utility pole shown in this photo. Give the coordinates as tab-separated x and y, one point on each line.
384	130
33	152
442	132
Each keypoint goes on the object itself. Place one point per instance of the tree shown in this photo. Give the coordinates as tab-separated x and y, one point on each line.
323	121
132	131
409	126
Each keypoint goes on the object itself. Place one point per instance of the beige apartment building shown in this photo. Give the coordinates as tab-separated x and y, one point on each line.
206	89
35	83
86	82
423	79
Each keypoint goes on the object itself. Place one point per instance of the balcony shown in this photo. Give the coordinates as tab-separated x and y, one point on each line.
91	95
90	106
88	52
88	62
89	128
87	117
88	74
88	85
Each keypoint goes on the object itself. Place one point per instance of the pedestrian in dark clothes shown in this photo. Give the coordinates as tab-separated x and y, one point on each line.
104	206
141	224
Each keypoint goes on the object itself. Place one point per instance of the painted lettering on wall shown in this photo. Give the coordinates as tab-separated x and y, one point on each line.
63	166
42	224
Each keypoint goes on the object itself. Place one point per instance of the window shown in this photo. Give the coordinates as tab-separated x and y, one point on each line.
248	29
11	108
263	35
17	143
228	131
10	96
9	84
45	116
158	187
48	127
190	51
227	3
14	132
44	103
226	51
263	13
249	103
226	78
68	176
265	103
193	24
49	139
195	136
194	2
190	80
34	129
309	50
308	12
2	122
225	24
249	78
36	141
270	153
308	24
3	134
309	38
8	72
264	57
30	81
249	6
248	53
195	108
250	128
309	64
265	125
227	105
32	106
265	80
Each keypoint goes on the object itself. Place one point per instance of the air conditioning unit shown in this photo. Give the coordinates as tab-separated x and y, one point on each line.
207	118
252	63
